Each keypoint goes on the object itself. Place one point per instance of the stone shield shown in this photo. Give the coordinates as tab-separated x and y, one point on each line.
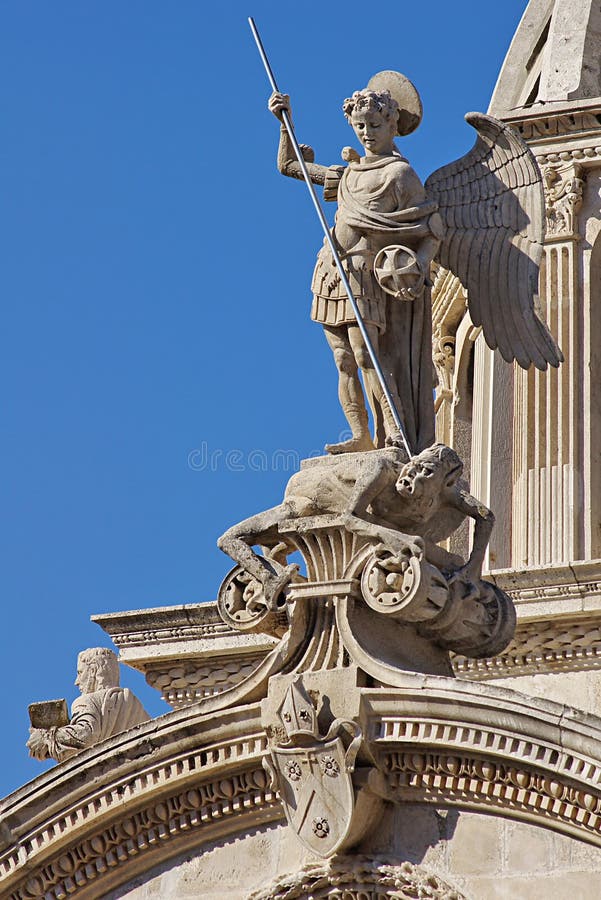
399	273
317	793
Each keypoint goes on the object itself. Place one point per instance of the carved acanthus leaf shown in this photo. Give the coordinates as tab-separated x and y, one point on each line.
564	187
355	878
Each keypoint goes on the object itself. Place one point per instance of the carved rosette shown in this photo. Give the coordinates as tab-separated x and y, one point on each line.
406	588
473	619
242	605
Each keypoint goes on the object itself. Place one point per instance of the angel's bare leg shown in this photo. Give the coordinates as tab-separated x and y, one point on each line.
350	392
384	424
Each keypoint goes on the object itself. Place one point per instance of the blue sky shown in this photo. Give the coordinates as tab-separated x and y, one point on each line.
155	288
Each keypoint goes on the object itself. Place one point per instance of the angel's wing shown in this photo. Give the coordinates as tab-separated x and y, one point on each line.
492	204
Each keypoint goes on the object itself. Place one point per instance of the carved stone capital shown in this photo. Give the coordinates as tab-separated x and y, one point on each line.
563	186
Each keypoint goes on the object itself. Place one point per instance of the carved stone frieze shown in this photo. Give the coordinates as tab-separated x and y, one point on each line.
559	622
144	627
358	878
563	644
583	155
78	870
559	125
535	773
428	777
541	592
563	187
124	808
178	633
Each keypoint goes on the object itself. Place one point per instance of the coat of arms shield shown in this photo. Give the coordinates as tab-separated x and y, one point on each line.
317	793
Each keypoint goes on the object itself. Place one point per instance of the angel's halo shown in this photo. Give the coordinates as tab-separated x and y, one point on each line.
405	93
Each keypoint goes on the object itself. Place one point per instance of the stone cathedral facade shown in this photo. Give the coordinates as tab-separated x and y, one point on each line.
301	759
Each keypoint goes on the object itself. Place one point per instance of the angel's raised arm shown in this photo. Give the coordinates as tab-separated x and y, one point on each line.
287	161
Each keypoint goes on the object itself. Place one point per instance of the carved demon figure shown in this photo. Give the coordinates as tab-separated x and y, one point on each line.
406	506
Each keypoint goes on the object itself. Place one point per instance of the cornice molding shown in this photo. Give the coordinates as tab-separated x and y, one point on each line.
493	751
187	681
541	592
559	629
564	645
559	623
545	124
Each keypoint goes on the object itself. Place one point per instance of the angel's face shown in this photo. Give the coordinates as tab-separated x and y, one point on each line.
375	131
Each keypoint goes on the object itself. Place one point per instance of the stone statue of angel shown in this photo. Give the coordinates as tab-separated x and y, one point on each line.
481	217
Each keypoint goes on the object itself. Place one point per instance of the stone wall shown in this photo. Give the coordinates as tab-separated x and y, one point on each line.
484	858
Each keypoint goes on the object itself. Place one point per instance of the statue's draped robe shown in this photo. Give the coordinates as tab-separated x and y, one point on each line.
94	718
405	341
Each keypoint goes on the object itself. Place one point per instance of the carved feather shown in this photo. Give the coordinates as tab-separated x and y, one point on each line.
492	204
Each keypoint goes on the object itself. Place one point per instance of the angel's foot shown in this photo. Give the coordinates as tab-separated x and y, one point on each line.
274	586
355	445
397	440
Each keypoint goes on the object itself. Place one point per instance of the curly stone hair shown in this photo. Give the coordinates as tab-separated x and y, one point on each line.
382	101
104	664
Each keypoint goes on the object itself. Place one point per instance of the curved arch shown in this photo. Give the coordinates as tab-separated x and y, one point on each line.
444	742
114	811
187	779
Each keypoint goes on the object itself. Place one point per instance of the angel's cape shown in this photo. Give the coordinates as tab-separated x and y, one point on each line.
405	351
405	341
